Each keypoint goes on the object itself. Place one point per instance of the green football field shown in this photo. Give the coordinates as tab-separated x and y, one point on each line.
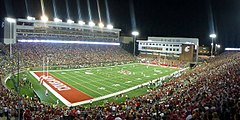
102	81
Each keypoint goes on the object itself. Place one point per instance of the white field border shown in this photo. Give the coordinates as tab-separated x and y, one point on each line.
67	103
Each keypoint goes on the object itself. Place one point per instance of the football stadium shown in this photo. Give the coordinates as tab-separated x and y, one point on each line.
53	69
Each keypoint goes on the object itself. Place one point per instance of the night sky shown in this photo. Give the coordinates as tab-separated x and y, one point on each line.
170	18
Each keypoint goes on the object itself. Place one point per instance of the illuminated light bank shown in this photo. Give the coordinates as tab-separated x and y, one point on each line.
44	18
80	22
72	42
30	18
101	25
233	49
91	24
57	20
70	21
109	26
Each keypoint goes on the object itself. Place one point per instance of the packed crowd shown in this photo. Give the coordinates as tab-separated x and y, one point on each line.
208	92
32	54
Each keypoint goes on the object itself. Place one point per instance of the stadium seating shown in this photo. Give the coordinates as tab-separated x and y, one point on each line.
31	54
209	91
68	34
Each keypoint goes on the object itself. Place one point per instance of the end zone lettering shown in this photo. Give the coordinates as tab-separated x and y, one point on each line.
55	83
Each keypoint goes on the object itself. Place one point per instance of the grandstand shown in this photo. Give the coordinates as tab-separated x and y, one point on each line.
36	30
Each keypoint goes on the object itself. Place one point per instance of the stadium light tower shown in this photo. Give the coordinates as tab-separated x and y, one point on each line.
212	36
135	34
11	21
109	26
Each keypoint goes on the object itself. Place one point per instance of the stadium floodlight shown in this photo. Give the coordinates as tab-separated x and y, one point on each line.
65	41
91	24
44	18
101	25
11	20
135	33
212	35
80	22
109	26
30	18
70	21
57	20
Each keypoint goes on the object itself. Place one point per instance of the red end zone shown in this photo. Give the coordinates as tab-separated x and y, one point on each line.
69	93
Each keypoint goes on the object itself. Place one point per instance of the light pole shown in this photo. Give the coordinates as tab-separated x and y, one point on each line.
135	34
212	44
10	20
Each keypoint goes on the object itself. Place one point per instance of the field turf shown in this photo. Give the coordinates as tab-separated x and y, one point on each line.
100	81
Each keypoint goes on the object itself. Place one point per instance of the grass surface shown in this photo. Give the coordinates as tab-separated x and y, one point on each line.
100	81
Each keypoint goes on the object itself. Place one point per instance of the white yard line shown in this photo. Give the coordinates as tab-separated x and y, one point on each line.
97	81
106	80
79	84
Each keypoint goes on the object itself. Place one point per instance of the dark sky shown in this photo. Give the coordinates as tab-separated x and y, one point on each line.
171	18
